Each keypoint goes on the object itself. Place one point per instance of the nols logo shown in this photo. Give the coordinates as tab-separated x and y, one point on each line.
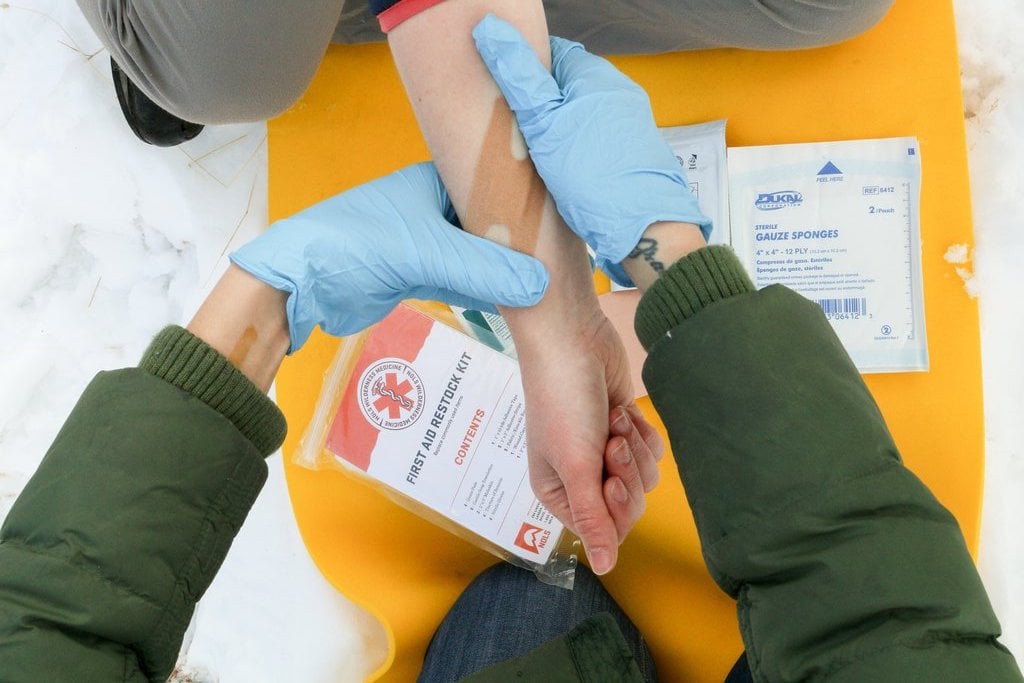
532	538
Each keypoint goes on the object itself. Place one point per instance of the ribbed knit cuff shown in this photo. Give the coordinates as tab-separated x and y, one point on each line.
601	652
186	361
693	282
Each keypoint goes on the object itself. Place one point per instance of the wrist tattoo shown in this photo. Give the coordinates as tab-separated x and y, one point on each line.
647	249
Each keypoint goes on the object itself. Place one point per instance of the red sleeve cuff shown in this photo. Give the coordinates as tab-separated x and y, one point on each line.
402	10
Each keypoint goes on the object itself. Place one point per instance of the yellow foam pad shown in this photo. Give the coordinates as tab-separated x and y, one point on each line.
901	78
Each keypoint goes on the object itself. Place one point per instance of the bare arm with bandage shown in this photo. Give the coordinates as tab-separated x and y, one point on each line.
579	397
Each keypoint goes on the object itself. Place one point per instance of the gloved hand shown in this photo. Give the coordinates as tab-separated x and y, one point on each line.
592	137
347	261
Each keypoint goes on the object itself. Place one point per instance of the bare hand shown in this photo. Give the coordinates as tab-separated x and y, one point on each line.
592	455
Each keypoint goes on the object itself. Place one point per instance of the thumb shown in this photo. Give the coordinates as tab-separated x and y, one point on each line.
473	267
522	78
592	521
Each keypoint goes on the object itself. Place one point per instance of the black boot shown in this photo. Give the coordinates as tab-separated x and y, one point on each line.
147	120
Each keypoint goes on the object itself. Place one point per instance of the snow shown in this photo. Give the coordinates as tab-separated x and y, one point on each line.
991	56
270	598
957	253
105	240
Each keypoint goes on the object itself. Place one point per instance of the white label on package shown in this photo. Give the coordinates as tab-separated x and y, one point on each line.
700	150
441	418
839	222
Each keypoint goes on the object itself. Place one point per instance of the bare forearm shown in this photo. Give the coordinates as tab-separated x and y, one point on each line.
471	133
565	338
476	145
245	320
661	245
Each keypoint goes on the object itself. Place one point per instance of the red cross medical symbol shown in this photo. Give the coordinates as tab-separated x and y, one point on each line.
392	395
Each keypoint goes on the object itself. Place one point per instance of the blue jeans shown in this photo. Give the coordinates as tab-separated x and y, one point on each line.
506	612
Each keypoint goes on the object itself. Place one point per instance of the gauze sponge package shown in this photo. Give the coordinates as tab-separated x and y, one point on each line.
839	222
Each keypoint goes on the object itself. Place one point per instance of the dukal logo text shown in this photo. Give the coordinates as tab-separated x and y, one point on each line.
770	201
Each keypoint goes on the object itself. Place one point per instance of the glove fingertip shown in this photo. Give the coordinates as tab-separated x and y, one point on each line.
489	33
520	286
539	285
522	78
532	277
482	35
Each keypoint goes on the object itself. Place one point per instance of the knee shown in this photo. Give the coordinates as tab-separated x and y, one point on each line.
209	88
808	25
220	70
215	96
498	576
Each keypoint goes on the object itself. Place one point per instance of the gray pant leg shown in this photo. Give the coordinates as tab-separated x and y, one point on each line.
650	26
235	60
216	61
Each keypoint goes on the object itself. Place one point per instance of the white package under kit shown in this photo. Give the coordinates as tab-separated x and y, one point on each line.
839	222
700	150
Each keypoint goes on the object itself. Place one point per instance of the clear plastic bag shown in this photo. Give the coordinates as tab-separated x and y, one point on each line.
426	407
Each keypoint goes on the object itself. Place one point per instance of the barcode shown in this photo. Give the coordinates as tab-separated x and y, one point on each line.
834	306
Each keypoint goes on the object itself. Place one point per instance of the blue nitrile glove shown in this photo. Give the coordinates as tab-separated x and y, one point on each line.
592	137
347	261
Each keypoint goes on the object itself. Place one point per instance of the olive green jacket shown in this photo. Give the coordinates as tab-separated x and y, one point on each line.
843	565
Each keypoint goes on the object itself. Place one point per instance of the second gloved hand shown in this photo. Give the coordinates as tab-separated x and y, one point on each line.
348	260
592	137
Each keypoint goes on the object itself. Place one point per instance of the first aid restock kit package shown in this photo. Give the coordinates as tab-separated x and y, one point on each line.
426	408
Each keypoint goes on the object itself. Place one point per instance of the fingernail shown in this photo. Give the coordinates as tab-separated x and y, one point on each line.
621	425
619	492
600	561
621	453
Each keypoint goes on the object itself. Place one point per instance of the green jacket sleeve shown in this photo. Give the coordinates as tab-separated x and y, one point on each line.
130	514
595	651
843	565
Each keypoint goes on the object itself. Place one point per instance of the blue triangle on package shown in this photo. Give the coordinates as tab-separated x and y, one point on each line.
829	169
